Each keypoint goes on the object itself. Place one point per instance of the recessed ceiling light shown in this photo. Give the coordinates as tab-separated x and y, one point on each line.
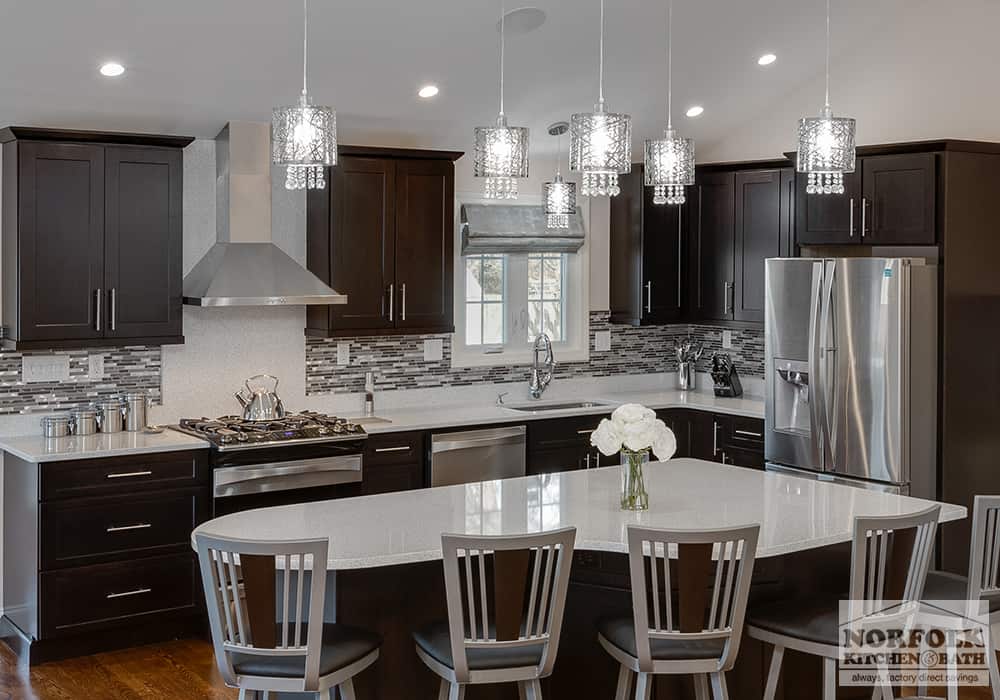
112	69
428	91
695	111
767	59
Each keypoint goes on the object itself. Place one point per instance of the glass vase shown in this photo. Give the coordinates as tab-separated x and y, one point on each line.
634	496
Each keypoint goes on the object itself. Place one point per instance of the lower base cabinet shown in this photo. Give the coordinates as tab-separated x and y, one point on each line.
393	462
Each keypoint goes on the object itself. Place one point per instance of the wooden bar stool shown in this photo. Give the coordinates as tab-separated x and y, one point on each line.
698	630
889	561
506	597
259	648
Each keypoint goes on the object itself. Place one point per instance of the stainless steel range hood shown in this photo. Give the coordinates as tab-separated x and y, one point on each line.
244	268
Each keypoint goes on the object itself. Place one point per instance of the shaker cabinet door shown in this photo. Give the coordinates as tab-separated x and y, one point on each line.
60	241
828	219
143	242
662	240
760	212
712	246
900	194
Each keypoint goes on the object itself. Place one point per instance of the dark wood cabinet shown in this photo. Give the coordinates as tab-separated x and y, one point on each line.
563	444
646	263
393	462
383	234
825	219
712	245
92	238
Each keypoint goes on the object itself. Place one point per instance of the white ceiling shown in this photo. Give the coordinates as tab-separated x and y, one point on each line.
195	64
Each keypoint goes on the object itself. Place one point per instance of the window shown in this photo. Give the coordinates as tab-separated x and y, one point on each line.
546	292
485	299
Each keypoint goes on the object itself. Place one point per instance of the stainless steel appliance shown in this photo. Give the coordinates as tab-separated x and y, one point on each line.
261	401
478	455
851	371
298	458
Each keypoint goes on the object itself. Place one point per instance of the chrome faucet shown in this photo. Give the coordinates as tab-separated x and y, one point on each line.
542	363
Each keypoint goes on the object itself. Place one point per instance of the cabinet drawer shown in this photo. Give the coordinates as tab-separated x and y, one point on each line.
739	431
107	595
74	533
97	477
394	448
563	432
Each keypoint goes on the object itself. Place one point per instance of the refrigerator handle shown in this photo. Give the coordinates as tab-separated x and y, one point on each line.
816	402
827	351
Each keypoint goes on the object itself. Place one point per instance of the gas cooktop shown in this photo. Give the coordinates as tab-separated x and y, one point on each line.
233	432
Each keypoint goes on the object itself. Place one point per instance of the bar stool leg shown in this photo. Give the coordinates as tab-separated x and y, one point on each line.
701	687
643	686
952	664
774	673
829	679
624	682
347	690
719	689
456	692
444	689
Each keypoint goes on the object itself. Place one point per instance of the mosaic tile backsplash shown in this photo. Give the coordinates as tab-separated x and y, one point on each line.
398	361
125	369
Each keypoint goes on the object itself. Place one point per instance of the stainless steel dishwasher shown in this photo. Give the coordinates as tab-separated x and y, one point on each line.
478	455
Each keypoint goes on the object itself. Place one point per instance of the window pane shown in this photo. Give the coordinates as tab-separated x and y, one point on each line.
493	279
492	324
552	312
534	320
552	279
534	277
473	288
473	324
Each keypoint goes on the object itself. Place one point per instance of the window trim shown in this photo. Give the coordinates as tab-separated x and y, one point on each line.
576	347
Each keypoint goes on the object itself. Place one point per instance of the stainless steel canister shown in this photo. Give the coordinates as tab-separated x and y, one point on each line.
83	421
110	415
135	410
56	425
686	376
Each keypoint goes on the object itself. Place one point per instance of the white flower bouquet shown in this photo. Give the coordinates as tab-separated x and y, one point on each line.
634	430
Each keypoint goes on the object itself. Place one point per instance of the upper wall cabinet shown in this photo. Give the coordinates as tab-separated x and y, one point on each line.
92	238
647	242
383	234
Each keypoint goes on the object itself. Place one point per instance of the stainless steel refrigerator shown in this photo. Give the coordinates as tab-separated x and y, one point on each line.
851	371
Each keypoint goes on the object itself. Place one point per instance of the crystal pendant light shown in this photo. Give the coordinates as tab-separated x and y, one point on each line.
559	196
669	162
601	142
826	143
304	136
501	151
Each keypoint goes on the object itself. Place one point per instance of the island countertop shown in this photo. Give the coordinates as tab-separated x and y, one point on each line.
795	514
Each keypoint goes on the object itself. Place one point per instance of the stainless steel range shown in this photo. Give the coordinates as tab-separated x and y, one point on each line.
293	459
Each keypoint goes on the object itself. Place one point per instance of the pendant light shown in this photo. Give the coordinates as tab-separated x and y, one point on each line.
669	162
559	196
826	143
601	141
501	151
304	136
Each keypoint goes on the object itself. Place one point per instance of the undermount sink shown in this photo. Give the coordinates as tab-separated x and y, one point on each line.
539	407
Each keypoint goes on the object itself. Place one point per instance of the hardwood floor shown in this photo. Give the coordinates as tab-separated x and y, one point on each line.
174	670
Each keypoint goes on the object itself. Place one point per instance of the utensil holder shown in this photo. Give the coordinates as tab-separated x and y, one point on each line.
686	376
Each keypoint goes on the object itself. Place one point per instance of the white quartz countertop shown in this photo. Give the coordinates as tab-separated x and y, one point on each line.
369	531
35	448
455	415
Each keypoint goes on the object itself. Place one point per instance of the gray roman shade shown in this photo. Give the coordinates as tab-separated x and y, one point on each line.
515	228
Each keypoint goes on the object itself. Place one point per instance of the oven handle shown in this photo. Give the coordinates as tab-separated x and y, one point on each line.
283	476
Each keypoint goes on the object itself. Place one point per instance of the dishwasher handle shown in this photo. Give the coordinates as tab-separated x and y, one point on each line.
447	442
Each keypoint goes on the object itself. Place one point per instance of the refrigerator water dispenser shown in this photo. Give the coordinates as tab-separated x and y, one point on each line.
791	397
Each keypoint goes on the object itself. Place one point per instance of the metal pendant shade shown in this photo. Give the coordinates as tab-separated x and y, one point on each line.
668	163
501	151
826	145
601	142
559	196
304	136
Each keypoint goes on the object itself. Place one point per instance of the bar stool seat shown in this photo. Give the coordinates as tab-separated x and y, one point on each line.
435	640
342	645
810	619
620	632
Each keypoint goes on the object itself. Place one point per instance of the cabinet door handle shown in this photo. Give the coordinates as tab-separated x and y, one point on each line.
402	291
727	288
125	528
392	300
126	475
587	461
723	457
585	432
403	448
113	308
748	433
715	438
649	297
864	210
97	312
850	232
126	594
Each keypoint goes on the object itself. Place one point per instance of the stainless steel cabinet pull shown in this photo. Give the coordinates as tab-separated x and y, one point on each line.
392	300
587	461
864	210
124	528
649	297
851	231
97	312
723	457
125	475
402	291
585	432
748	433
727	287
404	448
125	594
715	438
113	303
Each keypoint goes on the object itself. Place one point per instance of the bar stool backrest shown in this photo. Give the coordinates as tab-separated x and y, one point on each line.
240	578
984	552
713	569
506	592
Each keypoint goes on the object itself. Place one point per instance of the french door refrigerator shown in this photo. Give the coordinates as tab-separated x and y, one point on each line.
851	371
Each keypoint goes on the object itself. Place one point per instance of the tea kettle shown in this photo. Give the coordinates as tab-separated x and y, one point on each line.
258	401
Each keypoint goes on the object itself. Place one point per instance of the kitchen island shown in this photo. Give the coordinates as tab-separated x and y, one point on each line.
386	549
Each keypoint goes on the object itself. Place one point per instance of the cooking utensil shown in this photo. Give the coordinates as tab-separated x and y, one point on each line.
260	401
